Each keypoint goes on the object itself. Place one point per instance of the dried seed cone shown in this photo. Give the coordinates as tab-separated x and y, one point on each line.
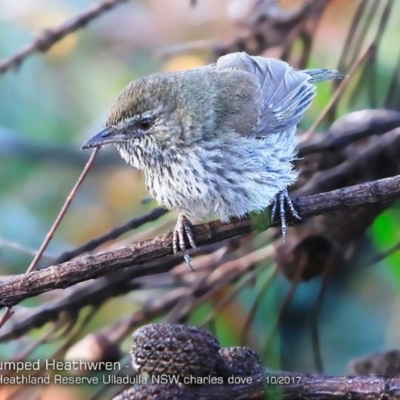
241	361
173	349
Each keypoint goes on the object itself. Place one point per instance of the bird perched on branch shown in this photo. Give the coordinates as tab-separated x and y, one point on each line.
215	141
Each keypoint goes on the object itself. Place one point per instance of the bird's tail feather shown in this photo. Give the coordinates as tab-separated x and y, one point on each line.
320	75
286	92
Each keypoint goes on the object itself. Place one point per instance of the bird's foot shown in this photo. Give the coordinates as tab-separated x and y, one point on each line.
278	206
183	227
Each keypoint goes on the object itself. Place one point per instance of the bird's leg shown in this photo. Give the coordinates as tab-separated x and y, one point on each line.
278	205
183	227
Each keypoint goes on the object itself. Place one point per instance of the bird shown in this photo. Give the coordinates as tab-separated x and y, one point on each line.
216	141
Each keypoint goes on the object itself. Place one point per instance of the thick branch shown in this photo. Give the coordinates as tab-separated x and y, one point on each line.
19	287
289	386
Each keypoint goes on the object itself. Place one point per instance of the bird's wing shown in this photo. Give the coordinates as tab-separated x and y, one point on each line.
286	93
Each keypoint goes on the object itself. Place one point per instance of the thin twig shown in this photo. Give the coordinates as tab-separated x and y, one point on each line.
23	249
53	35
6	316
111	235
338	92
62	212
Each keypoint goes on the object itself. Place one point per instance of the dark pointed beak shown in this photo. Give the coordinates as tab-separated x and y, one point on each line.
106	136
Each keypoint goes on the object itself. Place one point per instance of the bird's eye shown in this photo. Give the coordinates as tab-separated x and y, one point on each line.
145	123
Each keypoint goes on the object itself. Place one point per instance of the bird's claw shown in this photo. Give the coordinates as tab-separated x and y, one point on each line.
183	227
282	199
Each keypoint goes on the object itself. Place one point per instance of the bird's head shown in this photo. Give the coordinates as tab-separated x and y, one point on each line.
147	119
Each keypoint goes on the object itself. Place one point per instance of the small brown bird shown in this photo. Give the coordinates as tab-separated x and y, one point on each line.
215	141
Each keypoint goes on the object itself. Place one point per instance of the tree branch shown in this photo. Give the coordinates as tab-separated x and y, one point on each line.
287	386
17	288
51	36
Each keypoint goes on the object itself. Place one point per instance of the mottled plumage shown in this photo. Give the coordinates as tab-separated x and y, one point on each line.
216	141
